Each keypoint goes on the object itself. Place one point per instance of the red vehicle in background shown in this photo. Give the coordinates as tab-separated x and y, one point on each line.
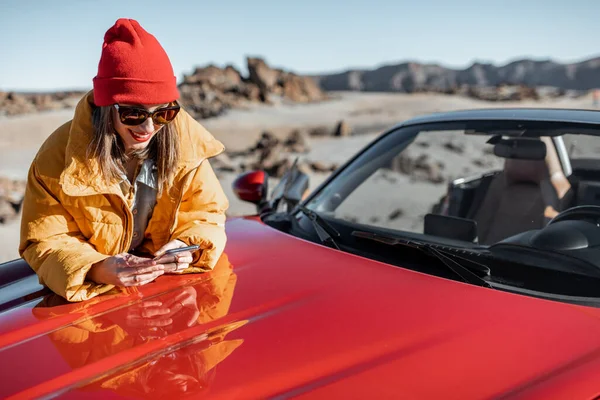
489	289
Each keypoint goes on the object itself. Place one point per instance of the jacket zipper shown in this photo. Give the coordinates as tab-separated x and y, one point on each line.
186	180
127	236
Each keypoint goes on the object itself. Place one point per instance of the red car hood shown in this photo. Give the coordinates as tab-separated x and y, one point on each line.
282	317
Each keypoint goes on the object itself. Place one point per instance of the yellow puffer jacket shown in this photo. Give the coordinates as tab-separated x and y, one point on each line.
73	219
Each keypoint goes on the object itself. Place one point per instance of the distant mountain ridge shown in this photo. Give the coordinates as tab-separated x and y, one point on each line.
409	77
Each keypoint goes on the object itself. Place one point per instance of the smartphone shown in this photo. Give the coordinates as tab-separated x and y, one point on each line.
191	248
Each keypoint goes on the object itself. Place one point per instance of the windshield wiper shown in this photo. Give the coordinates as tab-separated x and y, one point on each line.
324	230
467	274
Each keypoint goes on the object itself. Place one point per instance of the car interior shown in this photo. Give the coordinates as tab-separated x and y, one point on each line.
531	189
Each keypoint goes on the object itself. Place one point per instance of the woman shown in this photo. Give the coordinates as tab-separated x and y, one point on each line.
127	175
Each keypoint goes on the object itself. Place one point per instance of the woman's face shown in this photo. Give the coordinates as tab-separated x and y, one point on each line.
136	137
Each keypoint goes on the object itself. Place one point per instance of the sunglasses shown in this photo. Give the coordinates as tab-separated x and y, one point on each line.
136	116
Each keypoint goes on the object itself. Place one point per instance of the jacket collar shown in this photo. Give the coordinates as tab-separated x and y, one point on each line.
81	176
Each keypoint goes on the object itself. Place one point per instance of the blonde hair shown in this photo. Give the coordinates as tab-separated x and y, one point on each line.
107	147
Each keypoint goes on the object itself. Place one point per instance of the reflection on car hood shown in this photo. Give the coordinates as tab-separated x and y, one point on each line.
280	316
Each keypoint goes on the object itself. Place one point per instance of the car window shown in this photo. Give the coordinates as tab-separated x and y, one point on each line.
582	146
413	178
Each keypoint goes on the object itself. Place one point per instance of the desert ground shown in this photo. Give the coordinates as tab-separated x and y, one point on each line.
367	114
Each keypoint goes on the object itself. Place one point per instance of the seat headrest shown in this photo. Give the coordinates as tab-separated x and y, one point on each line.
521	171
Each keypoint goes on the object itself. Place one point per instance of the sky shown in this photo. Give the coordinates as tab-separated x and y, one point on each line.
54	44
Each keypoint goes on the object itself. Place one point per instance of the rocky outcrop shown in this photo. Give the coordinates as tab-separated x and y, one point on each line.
210	91
11	198
273	155
414	77
13	103
418	167
280	83
342	129
207	92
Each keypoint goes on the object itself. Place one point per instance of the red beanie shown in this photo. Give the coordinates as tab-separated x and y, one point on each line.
133	68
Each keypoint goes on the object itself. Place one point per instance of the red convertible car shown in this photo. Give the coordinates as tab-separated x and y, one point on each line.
457	256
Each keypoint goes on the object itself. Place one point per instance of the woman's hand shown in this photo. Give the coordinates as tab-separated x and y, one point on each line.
185	302
174	262
148	314
125	270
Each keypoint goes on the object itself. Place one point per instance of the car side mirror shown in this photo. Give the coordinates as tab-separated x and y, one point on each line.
251	187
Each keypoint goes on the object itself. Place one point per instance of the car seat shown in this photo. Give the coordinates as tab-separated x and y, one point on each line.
523	196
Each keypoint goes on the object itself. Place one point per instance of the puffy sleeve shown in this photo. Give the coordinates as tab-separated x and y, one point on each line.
201	218
53	245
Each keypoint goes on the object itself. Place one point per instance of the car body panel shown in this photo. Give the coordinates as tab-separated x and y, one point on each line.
285	317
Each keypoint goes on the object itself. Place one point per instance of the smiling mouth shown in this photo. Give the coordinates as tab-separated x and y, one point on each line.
140	137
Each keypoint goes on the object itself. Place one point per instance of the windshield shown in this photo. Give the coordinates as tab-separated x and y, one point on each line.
457	182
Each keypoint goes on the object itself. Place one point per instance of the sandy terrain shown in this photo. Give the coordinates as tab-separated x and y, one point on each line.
367	113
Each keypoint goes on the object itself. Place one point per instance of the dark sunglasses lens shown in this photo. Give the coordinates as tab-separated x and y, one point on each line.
131	116
165	116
